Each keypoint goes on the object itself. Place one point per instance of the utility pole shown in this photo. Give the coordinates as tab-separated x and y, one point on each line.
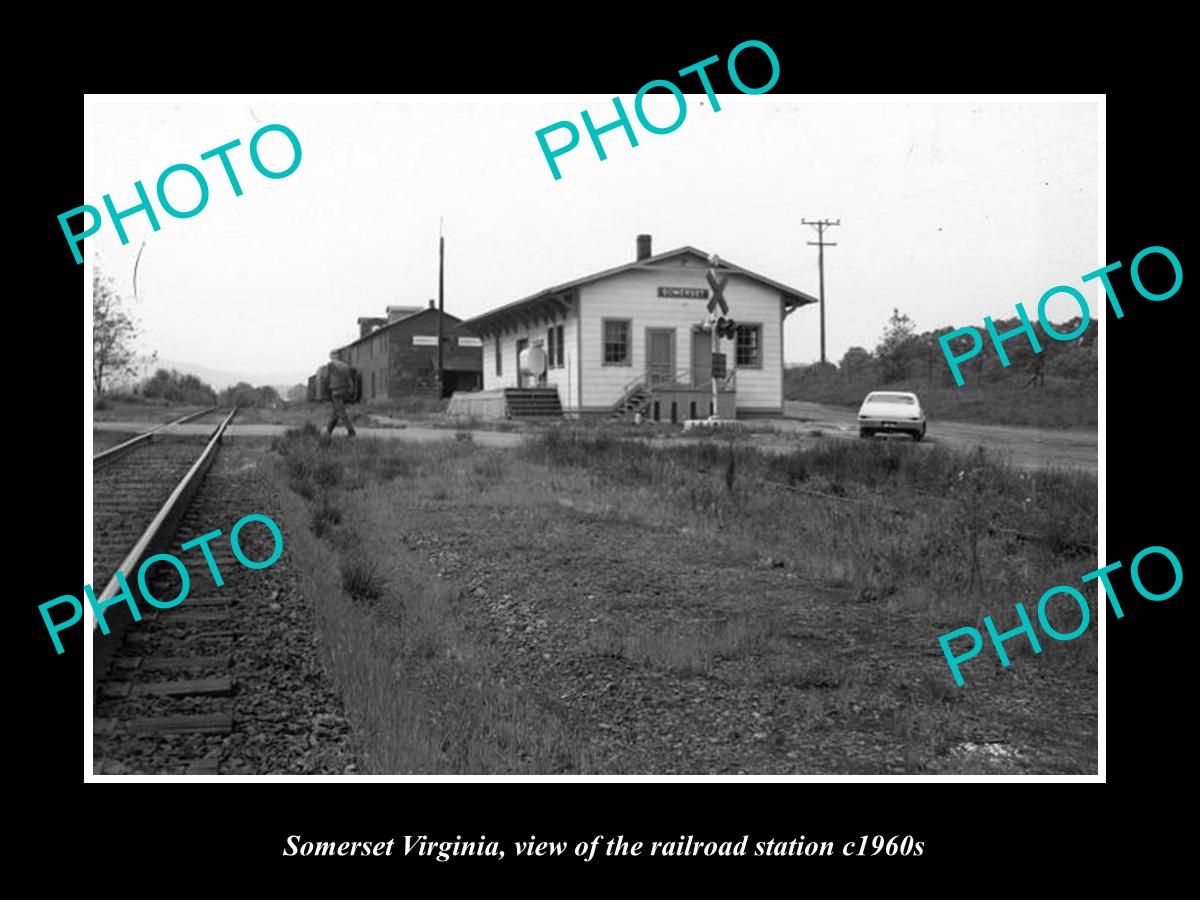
820	243
441	307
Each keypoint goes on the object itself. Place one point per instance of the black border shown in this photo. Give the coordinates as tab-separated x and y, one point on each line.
968	827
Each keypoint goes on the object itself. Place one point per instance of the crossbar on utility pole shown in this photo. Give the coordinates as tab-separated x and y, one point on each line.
820	243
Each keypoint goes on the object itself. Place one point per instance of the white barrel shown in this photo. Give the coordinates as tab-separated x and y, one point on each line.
532	361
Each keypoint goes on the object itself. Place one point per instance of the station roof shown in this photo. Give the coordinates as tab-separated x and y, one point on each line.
555	301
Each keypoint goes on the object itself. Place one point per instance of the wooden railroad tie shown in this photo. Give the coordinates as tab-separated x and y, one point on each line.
207	723
203	687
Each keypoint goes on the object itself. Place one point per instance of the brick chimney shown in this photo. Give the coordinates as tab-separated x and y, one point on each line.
643	246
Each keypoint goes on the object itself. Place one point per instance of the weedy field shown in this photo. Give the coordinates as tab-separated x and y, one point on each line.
590	604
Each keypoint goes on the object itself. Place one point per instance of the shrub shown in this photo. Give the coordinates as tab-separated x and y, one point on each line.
324	516
361	577
327	473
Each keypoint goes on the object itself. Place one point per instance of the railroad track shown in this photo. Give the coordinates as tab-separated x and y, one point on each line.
165	677
112	454
131	483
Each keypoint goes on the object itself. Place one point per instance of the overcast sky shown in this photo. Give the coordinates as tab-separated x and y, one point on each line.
950	211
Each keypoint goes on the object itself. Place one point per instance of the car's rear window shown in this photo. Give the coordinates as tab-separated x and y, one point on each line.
891	398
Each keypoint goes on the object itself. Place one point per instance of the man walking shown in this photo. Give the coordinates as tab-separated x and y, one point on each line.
341	388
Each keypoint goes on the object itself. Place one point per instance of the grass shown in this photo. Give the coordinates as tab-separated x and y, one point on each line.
499	611
919	520
694	649
410	678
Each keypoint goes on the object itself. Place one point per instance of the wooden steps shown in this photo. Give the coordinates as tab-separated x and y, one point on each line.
532	403
637	400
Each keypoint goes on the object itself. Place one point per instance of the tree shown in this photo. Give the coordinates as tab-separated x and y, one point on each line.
297	393
114	336
897	346
1080	364
246	395
240	394
856	359
178	388
269	397
935	358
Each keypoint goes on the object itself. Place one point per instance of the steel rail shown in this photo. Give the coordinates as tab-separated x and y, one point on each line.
153	539
104	457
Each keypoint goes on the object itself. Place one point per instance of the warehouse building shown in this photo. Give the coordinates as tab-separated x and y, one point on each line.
632	339
398	354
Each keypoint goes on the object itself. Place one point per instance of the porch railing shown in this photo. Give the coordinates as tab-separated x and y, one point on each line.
639	392
687	378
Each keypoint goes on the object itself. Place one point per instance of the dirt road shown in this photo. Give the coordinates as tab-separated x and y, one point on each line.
416	434
1027	448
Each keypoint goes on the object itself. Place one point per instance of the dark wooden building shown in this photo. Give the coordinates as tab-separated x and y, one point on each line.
397	355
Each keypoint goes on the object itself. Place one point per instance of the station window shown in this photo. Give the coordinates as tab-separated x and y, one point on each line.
499	358
554	347
749	346
616	342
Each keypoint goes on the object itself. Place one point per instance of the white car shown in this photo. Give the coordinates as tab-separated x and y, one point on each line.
891	411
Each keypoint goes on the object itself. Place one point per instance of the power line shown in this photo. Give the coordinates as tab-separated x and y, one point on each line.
820	243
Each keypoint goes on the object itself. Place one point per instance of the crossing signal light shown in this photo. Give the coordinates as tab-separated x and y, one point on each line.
726	328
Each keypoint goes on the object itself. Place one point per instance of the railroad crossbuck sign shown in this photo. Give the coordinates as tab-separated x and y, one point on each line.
718	292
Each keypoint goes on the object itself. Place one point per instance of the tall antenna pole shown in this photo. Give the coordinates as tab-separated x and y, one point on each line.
820	243
441	305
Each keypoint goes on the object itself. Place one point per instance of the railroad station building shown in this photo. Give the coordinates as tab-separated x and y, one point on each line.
397	354
632	338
